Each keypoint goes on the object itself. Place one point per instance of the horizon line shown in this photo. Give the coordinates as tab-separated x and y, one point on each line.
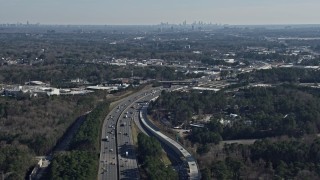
161	23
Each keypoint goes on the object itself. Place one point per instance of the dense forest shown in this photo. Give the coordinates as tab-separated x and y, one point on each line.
35	125
74	165
88	136
15	160
281	75
149	156
39	122
285	117
61	75
81	161
253	112
284	159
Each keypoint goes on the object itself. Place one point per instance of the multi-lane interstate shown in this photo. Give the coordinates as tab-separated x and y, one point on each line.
117	155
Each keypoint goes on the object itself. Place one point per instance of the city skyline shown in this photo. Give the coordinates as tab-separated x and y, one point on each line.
146	12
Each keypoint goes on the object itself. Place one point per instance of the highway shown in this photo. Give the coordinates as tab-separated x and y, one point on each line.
108	163
190	168
126	154
116	140
117	155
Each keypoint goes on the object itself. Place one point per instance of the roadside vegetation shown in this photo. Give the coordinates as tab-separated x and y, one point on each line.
84	148
81	161
150	157
88	136
35	125
15	161
74	165
283	117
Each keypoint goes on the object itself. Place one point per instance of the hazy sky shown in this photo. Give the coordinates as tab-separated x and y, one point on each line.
156	11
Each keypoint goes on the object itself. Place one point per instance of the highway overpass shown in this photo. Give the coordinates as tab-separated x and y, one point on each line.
168	84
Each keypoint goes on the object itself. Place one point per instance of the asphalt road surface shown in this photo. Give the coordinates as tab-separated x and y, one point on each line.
117	155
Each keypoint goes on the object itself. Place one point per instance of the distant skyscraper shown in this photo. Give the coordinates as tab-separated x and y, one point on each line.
185	23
